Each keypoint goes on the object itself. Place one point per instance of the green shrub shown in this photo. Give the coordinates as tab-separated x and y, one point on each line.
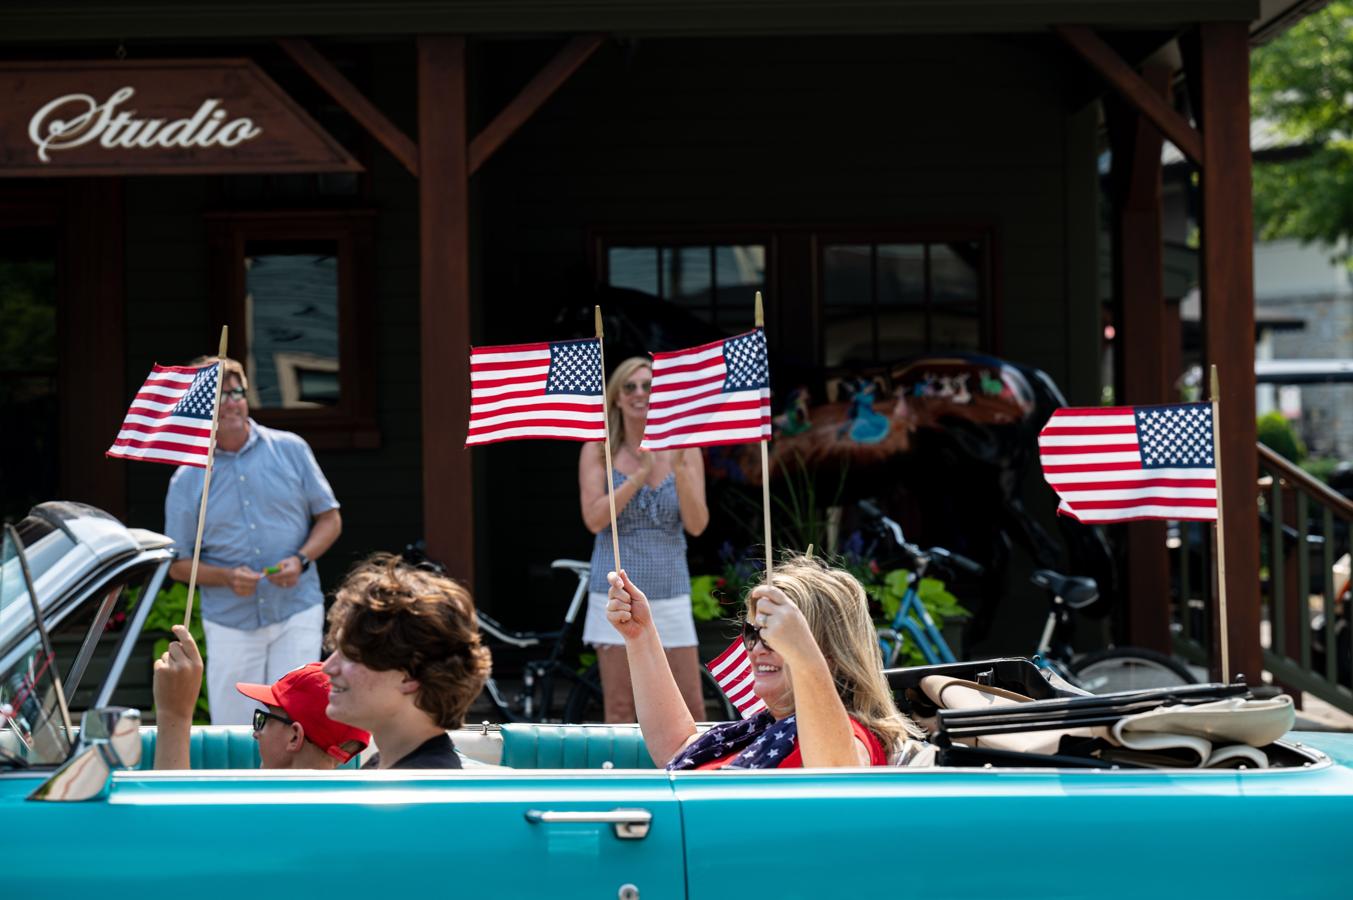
1276	433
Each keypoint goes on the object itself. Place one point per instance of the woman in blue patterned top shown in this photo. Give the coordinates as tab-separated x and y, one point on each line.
659	497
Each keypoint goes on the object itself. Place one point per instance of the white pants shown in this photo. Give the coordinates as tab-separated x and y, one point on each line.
260	656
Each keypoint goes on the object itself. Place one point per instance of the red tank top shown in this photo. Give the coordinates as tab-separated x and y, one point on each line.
794	760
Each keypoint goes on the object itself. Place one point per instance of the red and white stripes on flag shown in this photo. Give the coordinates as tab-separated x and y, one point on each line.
170	418
1121	463
718	393
732	669
547	390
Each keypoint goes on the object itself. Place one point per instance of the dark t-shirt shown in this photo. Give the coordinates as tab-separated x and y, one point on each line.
435	753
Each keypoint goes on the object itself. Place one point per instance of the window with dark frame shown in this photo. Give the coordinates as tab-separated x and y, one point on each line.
295	289
882	301
714	281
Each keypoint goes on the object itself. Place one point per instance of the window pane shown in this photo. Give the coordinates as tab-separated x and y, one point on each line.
901	333
686	276
953	273
953	330
739	272
635	268
845	275
901	274
848	337
291	311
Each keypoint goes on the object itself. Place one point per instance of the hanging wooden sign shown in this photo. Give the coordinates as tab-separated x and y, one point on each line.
156	117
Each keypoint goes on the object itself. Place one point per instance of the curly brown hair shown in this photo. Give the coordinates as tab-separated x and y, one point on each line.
389	615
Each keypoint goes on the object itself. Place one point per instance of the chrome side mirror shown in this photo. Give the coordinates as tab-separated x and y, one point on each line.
110	739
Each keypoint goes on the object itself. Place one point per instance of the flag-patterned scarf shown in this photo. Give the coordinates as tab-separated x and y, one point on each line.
764	743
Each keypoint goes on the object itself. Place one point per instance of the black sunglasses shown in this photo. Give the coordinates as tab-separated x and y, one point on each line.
751	634
261	717
236	393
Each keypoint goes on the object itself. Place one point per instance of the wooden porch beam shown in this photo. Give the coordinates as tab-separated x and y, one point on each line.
1139	301
548	80
444	303
346	95
1228	322
1133	88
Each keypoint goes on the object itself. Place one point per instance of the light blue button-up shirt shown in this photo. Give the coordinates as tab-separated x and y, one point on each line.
264	498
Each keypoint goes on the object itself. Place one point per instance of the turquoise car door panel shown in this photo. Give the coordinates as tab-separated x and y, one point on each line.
1047	834
255	835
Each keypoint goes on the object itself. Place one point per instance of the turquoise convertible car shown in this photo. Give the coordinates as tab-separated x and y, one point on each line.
563	811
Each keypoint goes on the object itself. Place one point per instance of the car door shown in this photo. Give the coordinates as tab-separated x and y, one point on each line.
258	834
973	833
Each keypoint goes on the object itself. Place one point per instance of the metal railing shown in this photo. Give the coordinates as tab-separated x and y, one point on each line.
1304	534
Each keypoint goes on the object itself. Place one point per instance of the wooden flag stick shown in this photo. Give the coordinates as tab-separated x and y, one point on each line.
1225	642
765	458
606	416
206	483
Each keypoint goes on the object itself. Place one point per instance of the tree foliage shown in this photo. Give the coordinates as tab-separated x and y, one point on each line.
1303	83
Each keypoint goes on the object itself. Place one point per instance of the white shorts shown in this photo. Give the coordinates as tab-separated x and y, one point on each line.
676	625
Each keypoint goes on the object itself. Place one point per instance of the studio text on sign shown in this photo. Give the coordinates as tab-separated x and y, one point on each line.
156	117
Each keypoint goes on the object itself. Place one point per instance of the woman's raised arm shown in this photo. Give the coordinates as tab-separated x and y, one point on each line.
664	718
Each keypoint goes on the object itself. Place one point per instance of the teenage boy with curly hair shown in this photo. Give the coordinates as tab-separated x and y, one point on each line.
407	661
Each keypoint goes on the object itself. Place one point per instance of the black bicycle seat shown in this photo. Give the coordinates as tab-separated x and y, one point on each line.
1076	591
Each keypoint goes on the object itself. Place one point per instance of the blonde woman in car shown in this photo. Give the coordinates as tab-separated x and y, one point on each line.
815	664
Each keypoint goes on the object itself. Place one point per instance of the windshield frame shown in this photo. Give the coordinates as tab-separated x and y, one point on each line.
12	539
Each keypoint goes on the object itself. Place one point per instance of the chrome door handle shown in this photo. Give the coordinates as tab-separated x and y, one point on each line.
630	824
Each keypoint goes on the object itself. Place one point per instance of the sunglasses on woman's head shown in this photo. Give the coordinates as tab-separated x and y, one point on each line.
751	634
630	387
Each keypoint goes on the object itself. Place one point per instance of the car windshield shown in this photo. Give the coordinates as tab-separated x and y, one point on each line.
31	732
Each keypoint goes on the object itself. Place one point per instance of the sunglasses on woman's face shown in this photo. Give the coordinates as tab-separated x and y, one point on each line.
261	717
751	634
631	386
235	393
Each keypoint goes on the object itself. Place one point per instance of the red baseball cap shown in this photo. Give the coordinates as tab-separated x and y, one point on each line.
304	694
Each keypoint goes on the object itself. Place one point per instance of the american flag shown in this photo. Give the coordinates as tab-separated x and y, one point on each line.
1120	463
732	669
549	390
170	418
718	393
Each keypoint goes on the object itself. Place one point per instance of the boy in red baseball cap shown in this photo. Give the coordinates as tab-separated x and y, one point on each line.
292	731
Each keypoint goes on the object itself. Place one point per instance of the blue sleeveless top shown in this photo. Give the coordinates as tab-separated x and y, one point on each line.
652	543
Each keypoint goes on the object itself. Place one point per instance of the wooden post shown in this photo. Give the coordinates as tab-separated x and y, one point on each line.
606	417
444	307
760	319
1228	321
1139	298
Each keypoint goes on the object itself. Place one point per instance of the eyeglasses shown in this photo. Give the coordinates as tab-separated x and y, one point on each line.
261	717
235	393
630	387
751	634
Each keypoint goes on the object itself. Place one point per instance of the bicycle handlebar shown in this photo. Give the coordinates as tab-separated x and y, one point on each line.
958	561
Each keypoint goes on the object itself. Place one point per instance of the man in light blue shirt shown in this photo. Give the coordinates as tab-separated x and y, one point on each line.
270	514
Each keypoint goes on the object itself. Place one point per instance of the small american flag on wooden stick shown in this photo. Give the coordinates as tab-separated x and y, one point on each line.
718	393
1121	463
732	669
548	390
170	418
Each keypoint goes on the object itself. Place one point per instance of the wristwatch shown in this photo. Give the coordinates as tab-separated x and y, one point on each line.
305	560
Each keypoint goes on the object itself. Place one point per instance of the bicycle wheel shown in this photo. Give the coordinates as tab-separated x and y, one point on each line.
1129	669
585	703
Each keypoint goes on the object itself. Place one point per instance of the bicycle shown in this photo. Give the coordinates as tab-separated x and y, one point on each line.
913	619
542	678
1104	671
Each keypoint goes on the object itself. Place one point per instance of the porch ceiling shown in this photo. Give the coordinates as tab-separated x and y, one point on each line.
66	20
